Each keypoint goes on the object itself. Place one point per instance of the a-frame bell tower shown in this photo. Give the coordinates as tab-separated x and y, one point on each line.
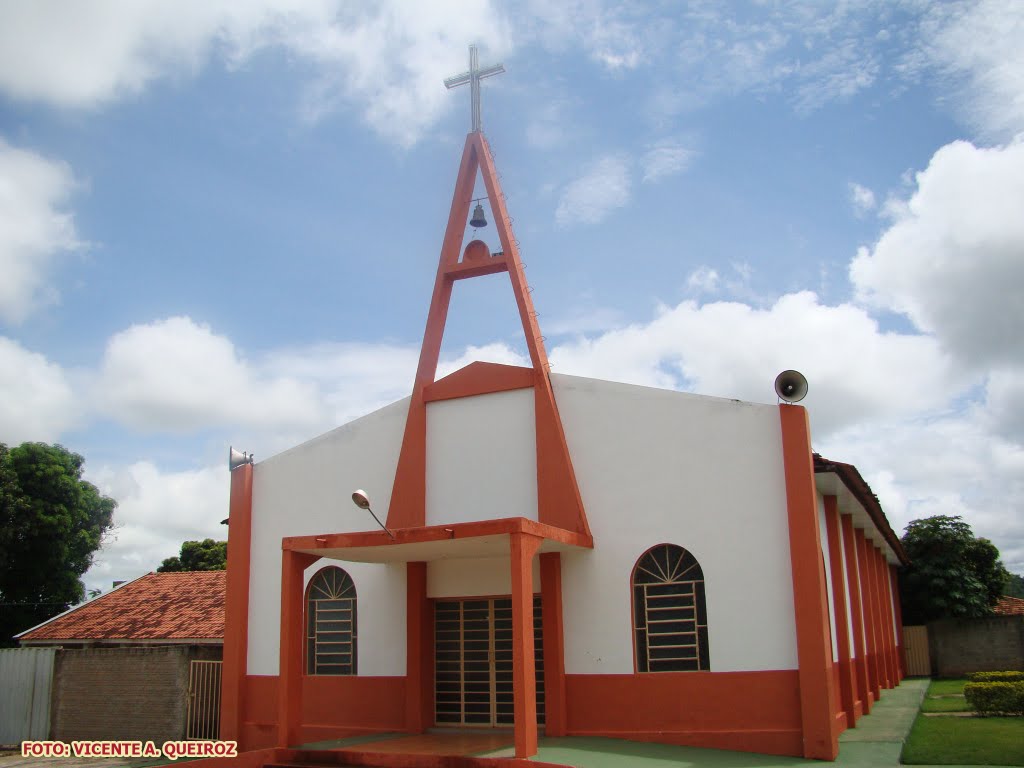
558	497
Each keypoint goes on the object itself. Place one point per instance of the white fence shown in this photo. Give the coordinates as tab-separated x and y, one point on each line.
26	683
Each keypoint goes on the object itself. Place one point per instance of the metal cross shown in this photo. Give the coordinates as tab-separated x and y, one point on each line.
473	77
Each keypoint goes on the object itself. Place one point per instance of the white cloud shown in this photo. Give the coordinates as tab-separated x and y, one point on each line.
665	160
729	349
604	186
704	279
34	228
156	511
37	400
861	198
177	375
951	261
388	58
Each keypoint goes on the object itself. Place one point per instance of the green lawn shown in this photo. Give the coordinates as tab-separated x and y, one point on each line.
946	686
965	741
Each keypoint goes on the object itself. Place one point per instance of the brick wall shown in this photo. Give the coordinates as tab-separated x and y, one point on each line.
123	693
961	646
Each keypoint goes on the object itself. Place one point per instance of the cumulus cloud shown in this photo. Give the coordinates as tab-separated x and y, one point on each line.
156	511
704	279
35	228
951	260
37	400
665	159
388	58
605	185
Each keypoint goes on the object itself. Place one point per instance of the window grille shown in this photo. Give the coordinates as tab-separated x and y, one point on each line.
331	623
670	620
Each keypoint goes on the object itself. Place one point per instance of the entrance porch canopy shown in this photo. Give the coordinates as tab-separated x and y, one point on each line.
484	538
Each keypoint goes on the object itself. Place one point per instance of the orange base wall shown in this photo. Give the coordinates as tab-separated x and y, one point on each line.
332	708
742	711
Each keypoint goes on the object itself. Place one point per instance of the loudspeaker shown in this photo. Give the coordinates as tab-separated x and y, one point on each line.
237	459
791	386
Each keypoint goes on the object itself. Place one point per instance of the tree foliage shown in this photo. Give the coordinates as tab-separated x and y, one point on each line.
952	574
51	524
1015	585
205	555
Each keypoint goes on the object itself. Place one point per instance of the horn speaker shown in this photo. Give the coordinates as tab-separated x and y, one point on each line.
791	386
237	458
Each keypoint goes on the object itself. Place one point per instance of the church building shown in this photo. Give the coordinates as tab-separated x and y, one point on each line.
557	555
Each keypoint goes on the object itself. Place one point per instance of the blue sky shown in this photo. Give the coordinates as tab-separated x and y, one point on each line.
220	223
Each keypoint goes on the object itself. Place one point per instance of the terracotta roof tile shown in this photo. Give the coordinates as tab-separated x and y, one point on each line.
158	606
1009	606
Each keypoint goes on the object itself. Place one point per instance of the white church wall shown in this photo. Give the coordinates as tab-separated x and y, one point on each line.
849	576
482	458
829	586
657	466
474	577
307	491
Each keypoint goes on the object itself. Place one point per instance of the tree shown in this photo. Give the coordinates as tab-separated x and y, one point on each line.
51	524
205	555
1015	585
952	574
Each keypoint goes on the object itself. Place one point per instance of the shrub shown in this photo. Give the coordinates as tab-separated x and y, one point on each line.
998	697
996	677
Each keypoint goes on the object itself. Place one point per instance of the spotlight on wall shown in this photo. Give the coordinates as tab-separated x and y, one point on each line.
791	386
361	500
238	458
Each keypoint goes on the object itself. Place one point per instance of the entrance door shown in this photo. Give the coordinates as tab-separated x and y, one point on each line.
473	661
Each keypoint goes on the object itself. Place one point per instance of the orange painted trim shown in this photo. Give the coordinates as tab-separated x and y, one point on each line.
887	619
810	596
860	668
479	379
894	587
870	616
847	694
524	684
884	631
419	656
554	643
236	605
559	502
289	692
504	525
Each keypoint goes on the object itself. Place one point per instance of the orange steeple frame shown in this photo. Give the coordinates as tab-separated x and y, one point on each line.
558	497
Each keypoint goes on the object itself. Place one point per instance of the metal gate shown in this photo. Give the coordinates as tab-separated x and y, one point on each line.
915	645
26	682
473	662
203	717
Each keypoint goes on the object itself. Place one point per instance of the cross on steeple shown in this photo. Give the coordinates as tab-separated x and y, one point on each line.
473	77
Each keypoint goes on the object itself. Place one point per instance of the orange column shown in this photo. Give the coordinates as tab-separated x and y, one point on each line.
847	695
813	631
524	687
885	601
289	689
894	588
860	665
236	606
554	643
419	657
870	621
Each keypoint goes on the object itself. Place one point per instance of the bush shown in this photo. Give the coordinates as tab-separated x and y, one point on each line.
998	697
996	677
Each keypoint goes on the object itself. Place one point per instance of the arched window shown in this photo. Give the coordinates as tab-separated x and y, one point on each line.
331	623
670	618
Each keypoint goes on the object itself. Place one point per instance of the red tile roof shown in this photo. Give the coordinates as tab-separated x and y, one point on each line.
1009	606
158	606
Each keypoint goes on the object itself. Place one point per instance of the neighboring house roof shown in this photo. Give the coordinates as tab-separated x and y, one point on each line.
1009	606
858	487
174	607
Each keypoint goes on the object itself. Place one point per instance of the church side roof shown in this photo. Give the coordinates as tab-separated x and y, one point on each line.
1009	606
158	606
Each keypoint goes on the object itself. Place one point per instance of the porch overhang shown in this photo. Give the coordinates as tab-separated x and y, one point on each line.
484	538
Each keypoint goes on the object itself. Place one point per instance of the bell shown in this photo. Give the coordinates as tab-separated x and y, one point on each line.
478	219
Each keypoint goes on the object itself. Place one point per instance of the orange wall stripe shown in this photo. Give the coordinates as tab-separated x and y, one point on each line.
479	378
524	686
884	632
554	643
418	650
847	693
860	667
894	588
887	619
870	617
289	693
236	608
813	631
